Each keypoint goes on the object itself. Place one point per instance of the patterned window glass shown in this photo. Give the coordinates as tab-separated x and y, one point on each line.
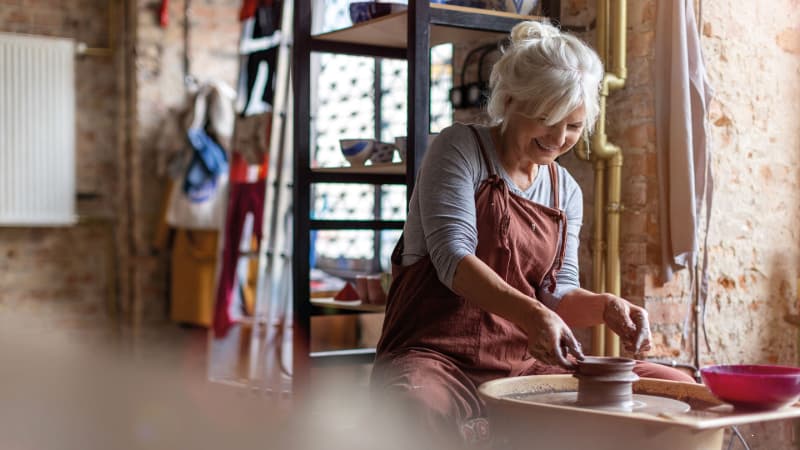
343	108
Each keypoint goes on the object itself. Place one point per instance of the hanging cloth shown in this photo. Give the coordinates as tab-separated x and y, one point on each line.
682	97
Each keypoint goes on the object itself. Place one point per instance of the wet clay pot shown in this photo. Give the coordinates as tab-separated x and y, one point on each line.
606	382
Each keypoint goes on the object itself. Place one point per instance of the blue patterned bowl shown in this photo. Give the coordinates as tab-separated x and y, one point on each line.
383	153
357	151
363	11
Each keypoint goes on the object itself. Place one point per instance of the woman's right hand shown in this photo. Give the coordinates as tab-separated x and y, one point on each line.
550	340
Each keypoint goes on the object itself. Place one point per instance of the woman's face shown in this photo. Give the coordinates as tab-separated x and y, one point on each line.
540	142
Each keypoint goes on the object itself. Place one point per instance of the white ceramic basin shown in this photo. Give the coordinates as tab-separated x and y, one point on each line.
531	425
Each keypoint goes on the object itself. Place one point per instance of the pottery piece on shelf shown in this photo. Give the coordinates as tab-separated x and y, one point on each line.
357	151
362	288
382	153
364	11
522	7
376	294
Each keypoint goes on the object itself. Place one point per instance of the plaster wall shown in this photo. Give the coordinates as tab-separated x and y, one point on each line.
755	147
752	55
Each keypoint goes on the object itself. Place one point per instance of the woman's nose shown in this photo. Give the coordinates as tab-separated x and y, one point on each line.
558	135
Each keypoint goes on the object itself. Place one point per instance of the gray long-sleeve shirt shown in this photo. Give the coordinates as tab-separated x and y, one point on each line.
441	219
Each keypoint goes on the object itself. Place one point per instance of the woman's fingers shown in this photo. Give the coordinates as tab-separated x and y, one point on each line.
631	323
642	340
571	346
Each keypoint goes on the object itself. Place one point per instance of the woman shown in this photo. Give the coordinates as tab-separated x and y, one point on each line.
487	280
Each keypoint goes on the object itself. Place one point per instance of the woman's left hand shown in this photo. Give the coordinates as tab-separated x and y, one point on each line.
629	322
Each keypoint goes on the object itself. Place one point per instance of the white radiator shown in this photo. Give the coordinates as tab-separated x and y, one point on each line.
37	131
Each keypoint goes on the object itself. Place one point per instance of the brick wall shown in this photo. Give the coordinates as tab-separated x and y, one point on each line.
80	276
65	275
753	245
753	59
160	93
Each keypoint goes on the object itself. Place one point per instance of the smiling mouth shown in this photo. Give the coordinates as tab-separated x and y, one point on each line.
546	148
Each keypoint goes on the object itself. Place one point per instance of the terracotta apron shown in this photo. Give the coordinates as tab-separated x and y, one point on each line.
436	348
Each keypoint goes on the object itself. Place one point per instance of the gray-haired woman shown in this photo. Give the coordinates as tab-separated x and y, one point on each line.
486	284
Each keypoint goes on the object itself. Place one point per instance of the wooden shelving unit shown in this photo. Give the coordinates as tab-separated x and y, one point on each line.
446	27
331	304
406	35
378	169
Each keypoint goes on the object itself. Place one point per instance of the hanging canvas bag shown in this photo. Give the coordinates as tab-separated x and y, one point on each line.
199	200
198	197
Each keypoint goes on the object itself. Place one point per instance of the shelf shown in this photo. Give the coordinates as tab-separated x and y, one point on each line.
335	357
378	169
357	224
449	23
330	303
388	173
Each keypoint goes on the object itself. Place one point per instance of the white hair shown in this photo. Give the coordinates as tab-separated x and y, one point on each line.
548	72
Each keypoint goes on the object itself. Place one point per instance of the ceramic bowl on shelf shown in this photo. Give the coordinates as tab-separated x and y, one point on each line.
377	295
753	387
364	11
357	151
382	153
401	142
522	7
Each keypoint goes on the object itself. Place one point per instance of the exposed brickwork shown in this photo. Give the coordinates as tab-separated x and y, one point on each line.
160	91
74	274
754	64
66	274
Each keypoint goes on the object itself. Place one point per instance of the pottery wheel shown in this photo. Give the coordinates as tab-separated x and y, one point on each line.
648	404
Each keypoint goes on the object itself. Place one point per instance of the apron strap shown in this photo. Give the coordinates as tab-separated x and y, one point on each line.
554	182
486	158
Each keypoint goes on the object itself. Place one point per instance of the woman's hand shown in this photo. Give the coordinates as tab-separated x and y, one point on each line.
550	340
629	322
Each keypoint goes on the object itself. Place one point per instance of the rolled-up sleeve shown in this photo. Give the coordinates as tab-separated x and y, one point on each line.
446	198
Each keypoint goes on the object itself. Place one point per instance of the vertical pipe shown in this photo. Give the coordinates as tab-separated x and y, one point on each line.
608	164
612	232
602	30
618	38
598	256
598	251
615	81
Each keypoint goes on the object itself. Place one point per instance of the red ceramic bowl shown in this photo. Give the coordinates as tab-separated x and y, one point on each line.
753	387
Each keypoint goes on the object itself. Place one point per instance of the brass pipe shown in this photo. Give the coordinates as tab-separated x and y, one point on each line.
607	158
613	209
598	253
619	41
602	30
601	148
